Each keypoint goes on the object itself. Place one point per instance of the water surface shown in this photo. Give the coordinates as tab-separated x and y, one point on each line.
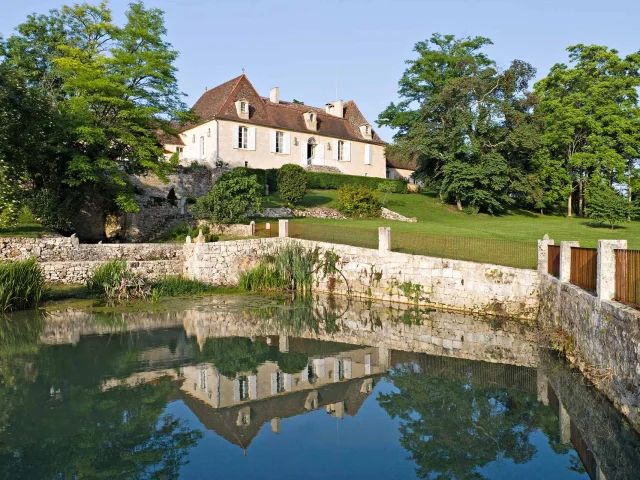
271	388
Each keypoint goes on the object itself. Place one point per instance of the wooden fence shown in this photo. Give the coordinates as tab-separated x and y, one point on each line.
584	267
628	277
553	267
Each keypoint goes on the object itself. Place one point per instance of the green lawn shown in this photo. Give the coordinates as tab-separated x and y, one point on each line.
27	226
437	218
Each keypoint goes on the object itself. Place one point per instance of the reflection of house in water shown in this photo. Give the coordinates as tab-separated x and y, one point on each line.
237	408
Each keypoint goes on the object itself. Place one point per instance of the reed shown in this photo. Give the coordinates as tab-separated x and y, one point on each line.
178	286
115	281
21	285
290	268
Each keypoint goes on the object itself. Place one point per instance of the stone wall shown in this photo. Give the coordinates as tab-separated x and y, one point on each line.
65	260
220	263
606	334
186	182
234	230
442	283
61	249
388	276
79	272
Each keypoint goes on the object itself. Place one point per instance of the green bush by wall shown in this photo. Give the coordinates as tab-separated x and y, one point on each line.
325	181
333	181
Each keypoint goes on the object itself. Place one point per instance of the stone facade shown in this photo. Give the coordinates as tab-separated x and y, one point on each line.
388	276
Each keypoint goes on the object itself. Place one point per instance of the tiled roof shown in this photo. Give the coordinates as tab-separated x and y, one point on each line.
168	138
394	161
219	102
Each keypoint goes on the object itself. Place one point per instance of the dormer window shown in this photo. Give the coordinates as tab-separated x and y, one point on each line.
366	132
242	109
311	121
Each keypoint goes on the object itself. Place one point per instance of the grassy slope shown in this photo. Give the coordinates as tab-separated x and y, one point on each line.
27	226
440	219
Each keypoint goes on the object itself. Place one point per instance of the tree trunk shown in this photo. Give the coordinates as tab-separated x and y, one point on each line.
629	193
459	203
569	202
580	198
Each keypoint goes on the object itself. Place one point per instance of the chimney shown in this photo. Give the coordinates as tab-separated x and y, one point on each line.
335	108
274	95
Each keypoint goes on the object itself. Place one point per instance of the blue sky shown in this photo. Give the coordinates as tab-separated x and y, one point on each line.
304	47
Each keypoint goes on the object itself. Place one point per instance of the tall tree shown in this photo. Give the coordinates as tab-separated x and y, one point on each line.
112	88
468	124
591	116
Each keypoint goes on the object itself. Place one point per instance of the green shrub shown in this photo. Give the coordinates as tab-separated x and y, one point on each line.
177	286
230	199
292	182
263	176
289	269
359	201
115	281
333	181
21	285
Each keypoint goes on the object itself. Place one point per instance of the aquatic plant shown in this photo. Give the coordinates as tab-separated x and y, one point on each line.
115	281
21	285
289	268
177	285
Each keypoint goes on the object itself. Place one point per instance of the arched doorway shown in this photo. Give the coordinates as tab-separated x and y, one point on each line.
311	150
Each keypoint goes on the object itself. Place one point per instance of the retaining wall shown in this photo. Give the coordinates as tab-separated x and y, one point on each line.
606	334
65	260
388	276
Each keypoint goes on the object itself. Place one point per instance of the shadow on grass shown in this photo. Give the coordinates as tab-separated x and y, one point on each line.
395	203
315	200
602	226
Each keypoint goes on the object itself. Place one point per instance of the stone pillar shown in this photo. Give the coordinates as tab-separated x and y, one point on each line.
384	357
384	239
283	228
543	389
565	425
283	343
606	282
565	260
275	425
543	254
252	227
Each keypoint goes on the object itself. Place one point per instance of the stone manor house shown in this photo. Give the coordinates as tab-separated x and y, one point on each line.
238	127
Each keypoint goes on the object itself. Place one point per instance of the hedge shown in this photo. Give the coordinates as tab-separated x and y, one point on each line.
325	181
333	181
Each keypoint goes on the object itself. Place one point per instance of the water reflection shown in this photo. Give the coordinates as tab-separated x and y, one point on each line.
179	392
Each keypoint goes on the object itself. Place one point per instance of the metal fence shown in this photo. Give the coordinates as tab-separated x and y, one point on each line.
483	250
553	267
584	267
358	237
628	277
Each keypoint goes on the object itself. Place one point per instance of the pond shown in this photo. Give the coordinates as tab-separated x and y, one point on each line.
273	387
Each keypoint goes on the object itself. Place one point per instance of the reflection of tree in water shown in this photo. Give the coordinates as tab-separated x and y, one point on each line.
234	355
57	422
451	427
